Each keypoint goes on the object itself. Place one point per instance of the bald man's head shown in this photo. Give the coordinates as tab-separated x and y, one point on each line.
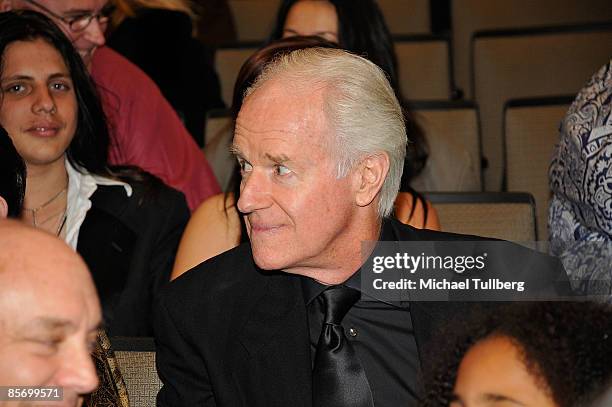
49	313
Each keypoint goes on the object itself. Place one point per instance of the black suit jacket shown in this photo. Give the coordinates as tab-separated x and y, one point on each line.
129	245
229	334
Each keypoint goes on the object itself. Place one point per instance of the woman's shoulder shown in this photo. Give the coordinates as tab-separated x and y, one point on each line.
217	211
413	209
213	229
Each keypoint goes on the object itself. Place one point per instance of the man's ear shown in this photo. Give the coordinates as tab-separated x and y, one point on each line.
6	5
3	208
370	176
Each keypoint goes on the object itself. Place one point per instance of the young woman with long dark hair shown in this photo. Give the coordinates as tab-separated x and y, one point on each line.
124	222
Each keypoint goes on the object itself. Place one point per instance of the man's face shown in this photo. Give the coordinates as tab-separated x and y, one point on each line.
86	41
48	324
296	210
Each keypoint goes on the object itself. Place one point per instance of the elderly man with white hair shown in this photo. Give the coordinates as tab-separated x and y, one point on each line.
283	321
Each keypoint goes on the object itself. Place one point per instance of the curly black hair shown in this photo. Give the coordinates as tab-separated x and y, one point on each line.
566	346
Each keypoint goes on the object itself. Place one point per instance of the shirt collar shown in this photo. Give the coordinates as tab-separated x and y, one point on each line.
81	186
85	184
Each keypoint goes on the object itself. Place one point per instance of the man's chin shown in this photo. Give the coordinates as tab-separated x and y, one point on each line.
266	263
267	259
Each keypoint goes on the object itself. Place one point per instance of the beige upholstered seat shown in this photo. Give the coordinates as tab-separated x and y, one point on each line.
136	359
531	130
219	134
406	16
424	67
228	62
254	19
507	216
452	133
470	16
521	64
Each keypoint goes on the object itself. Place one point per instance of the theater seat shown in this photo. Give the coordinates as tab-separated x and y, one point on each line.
136	359
531	130
453	136
406	16
424	67
530	63
501	215
253	19
228	61
470	16
219	134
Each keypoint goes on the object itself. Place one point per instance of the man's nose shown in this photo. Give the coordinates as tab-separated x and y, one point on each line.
254	192
94	32
78	373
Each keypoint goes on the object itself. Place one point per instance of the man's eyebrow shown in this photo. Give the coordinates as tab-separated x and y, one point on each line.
235	150
49	324
279	159
77	11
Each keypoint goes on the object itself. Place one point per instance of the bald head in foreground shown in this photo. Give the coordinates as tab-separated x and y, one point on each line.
320	140
49	315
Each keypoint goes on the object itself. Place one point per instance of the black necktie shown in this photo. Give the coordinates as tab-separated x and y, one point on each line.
338	379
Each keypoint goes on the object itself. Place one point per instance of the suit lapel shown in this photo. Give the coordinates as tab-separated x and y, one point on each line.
106	244
275	340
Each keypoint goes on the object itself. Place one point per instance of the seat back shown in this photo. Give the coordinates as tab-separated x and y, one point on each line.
530	63
501	215
424	67
453	137
531	130
254	19
470	16
228	61
219	134
406	16
136	360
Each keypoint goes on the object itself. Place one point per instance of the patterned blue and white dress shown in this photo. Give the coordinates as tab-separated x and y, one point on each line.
580	216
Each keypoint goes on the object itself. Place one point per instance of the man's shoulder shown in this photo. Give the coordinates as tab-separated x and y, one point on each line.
217	281
109	68
403	232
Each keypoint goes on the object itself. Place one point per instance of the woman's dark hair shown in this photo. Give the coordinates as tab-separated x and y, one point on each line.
88	150
566	346
363	31
89	147
249	72
12	175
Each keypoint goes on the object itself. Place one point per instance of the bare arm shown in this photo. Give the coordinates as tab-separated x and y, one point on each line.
210	231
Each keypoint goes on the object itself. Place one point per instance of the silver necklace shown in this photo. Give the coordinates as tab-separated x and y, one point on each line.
63	222
35	210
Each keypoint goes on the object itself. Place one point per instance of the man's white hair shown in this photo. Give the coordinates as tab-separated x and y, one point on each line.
360	105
